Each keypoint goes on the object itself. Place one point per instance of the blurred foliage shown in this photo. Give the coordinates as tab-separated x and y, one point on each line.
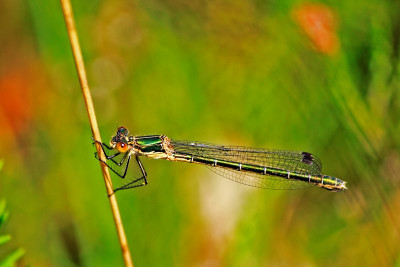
10	258
321	77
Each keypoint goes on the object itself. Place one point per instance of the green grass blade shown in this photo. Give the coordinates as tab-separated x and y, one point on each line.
12	258
3	212
4	239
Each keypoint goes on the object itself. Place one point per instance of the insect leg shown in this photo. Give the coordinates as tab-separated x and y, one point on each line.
142	169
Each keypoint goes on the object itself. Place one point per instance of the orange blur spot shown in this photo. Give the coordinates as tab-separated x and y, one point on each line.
319	23
15	103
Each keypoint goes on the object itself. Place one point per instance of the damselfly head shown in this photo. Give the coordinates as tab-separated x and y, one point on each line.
122	131
115	139
120	137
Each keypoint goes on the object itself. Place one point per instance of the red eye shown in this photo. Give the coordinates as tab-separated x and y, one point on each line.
122	147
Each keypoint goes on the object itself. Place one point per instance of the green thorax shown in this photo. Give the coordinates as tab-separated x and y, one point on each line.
149	143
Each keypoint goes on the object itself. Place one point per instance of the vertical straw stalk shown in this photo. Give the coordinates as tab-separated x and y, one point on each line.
80	68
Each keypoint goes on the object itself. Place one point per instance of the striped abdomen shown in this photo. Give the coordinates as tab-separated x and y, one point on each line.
324	181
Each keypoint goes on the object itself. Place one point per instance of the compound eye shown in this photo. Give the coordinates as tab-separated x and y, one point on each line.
122	131
122	147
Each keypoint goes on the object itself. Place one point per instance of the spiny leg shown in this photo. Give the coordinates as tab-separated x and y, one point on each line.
112	164
142	169
133	184
125	160
103	146
107	156
126	167
115	170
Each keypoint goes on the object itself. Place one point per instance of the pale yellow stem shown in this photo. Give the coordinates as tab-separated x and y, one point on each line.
80	68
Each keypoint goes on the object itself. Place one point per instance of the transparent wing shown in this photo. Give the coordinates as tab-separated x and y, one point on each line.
259	180
300	162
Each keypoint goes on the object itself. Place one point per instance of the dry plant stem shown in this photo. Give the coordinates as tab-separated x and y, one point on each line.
73	38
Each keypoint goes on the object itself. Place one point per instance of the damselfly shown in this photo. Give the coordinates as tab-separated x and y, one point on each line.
271	169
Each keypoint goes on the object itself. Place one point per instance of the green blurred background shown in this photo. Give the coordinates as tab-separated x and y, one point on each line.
321	77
